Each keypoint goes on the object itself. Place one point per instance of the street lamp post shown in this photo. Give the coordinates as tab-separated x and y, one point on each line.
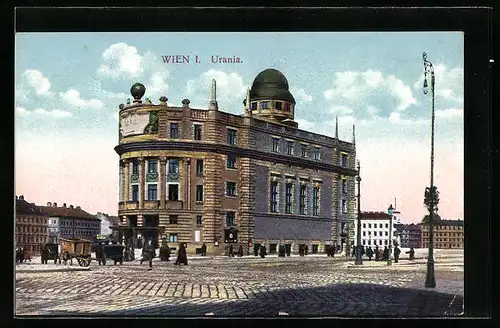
430	280
359	258
390	211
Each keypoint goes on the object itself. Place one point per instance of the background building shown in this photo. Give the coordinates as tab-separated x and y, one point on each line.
107	222
72	222
410	235
447	233
375	229
194	175
31	226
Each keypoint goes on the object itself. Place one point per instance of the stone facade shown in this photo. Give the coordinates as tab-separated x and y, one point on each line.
30	226
447	234
223	167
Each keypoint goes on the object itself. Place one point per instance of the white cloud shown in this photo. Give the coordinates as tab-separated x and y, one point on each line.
301	96
450	113
121	59
367	92
55	113
38	82
73	98
230	88
157	84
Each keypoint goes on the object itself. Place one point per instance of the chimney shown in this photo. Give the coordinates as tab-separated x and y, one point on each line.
49	204
64	205
16	197
71	206
55	205
21	197
78	208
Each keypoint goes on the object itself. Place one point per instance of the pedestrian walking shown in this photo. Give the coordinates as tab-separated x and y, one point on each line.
99	254
412	253
369	253
164	251
230	251
263	251
288	248
204	250
377	253
181	255
148	254
240	251
385	254
397	251
256	248
306	250
353	252
282	251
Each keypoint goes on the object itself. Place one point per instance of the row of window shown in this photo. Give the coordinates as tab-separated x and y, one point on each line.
445	245
425	227
436	234
375	242
174	131
78	232
277	105
31	219
290	145
31	239
380	225
275	187
230	219
380	233
30	229
71	223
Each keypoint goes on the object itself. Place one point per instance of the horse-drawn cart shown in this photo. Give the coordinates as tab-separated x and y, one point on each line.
76	248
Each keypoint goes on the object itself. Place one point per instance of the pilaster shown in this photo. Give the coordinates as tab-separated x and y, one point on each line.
126	184
141	182
161	181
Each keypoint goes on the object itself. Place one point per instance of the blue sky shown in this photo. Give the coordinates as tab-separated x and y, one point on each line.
69	86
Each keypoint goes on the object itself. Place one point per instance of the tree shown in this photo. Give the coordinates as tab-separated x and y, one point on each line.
431	199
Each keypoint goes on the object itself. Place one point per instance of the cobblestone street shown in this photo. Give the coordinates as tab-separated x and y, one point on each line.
249	286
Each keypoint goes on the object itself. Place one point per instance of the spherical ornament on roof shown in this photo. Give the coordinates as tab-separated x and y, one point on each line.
163	99
122	106
271	84
137	90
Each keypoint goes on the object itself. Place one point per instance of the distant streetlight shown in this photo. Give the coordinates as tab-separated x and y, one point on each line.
430	280
359	258
390	210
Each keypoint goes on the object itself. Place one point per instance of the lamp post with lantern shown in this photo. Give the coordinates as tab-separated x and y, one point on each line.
390	211
359	258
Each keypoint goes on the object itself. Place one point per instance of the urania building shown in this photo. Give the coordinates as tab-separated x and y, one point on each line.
206	176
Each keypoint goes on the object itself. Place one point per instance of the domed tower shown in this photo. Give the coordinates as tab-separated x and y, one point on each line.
269	96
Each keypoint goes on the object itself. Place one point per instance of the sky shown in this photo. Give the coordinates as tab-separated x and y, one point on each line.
69	86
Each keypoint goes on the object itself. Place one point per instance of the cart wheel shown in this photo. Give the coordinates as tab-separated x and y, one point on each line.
86	262
80	262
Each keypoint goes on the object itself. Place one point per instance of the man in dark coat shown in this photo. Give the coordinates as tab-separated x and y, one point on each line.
204	250
263	251
288	249
369	253
181	255
45	254
230	251
301	250
256	249
412	253
377	253
148	253
385	254
282	251
165	251
240	251
99	254
397	251
306	250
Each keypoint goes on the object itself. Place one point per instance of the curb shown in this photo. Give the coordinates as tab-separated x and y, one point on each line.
54	270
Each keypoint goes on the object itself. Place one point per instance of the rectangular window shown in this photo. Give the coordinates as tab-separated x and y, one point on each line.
274	197
364	242
199	220
316	201
173	192
344	207
275	143
152	166
264	105
288	198
343	159
364	225
385	242
197	131
172	238
231	161
289	147
317	154
199	193
173	219
303	151
344	186
173	166
231	189
230	218
135	167
374	233
386	225
279	105
231	137
302	199
253	105
135	193
287	107
369	225
364	233
199	167
152	191
174	130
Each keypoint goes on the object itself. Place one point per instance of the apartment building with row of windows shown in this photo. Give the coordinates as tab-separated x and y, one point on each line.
376	229
446	234
30	226
204	175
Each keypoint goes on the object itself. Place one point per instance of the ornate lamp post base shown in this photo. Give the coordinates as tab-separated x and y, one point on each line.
430	280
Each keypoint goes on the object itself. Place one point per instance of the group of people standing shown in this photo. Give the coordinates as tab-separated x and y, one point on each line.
382	255
230	251
149	252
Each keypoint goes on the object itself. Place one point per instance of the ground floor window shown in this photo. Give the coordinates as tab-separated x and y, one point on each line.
172	238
